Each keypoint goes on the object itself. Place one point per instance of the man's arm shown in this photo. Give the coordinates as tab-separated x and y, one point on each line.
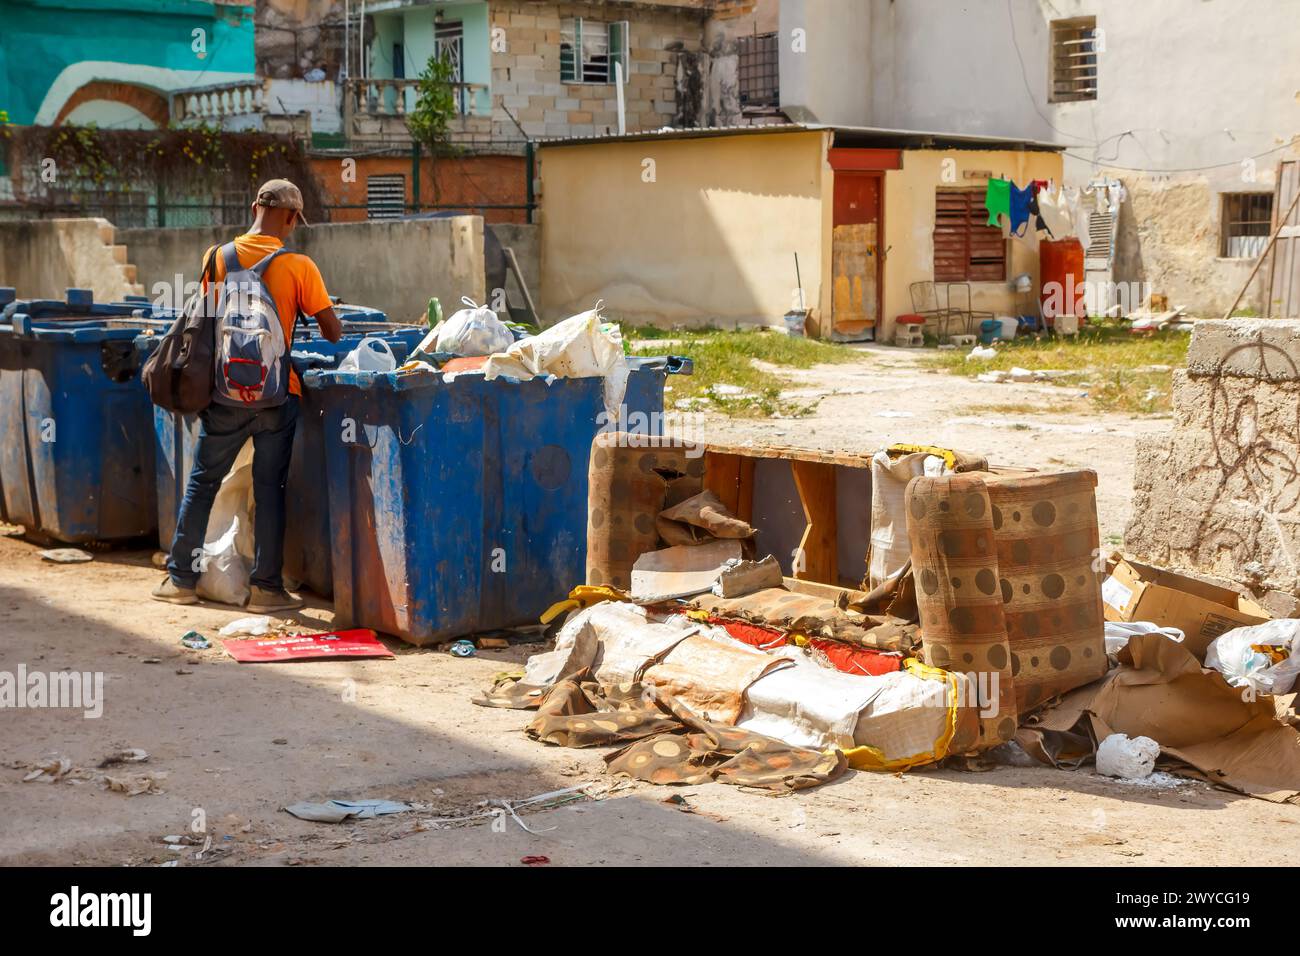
329	324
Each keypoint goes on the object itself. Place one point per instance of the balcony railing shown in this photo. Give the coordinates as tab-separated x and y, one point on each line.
219	102
379	96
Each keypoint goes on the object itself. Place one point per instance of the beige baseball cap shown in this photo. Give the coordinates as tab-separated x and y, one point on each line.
281	194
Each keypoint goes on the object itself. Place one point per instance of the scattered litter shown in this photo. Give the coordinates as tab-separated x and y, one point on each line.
1159	780
133	755
58	769
462	648
66	555
493	642
10	530
1129	759
739	578
336	811
535	860
1265	657
982	352
892	414
682	570
151	660
358	642
474	330
372	354
195	641
246	627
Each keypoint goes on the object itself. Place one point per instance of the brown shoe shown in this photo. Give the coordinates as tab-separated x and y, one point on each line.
261	601
171	593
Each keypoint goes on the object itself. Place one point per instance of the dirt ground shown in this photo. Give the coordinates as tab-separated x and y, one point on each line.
237	742
894	397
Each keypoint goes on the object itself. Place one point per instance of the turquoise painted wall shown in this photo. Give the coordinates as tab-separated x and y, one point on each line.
148	42
413	27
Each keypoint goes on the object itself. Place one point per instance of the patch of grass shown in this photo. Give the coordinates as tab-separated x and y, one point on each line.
727	359
1105	360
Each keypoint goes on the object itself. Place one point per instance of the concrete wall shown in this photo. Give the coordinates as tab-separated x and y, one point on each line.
710	241
43	258
393	266
526	241
824	53
1195	99
909	222
1220	493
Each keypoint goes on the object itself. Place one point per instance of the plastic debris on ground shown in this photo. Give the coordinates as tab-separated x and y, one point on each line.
195	641
57	769
336	811
462	648
1128	759
66	555
254	626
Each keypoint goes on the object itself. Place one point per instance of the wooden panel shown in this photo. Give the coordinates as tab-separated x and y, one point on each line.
857	199
853	276
861	160
816	485
731	478
1283	299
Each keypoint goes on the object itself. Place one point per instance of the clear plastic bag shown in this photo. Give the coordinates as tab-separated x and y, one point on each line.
372	355
475	330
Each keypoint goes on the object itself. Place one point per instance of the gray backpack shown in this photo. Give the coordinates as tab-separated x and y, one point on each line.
251	354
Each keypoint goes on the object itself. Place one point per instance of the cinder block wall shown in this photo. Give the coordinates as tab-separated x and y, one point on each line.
1220	494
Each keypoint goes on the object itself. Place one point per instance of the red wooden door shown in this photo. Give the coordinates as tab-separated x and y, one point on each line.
856	228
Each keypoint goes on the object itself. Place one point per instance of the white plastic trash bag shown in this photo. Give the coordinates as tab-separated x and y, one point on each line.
1263	656
578	347
1119	632
227	558
373	354
1127	758
475	330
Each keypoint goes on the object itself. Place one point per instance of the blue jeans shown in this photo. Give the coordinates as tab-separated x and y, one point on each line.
222	433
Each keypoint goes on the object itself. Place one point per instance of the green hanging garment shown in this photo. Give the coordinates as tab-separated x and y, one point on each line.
998	199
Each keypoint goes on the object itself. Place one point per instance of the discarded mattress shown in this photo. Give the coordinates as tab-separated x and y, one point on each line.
1005	586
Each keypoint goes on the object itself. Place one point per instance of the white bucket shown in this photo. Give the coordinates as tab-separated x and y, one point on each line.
1009	326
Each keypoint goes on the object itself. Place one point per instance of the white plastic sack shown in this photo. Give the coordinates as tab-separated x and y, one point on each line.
373	354
256	626
1128	759
1119	632
890	549
578	347
228	542
473	331
1233	655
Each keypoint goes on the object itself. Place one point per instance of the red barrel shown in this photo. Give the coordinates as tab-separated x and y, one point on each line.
1060	276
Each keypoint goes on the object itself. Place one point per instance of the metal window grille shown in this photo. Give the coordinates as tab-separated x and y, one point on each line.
1074	59
1247	221
386	196
966	248
757	71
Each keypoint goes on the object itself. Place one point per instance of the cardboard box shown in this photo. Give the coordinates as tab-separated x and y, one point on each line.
1202	611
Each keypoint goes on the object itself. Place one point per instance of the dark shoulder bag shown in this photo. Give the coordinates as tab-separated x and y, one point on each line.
179	375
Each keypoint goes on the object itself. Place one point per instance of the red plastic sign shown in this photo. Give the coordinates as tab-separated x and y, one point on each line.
360	642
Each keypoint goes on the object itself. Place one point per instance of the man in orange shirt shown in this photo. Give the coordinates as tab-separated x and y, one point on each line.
295	285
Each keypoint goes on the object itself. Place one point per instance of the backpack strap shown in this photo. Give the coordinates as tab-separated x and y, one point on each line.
260	268
230	258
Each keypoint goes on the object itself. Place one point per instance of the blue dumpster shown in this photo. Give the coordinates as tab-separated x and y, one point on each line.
306	544
76	449
461	506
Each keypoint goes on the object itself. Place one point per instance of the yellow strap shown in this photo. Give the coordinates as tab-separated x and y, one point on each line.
872	758
584	595
949	457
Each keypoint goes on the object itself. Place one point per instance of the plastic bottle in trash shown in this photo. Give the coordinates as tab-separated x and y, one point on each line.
433	314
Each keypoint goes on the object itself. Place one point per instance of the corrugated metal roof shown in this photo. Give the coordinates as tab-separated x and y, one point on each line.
845	136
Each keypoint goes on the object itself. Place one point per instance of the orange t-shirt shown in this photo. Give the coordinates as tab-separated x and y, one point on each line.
292	279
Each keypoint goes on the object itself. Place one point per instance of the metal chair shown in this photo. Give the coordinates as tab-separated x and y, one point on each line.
971	317
925	301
